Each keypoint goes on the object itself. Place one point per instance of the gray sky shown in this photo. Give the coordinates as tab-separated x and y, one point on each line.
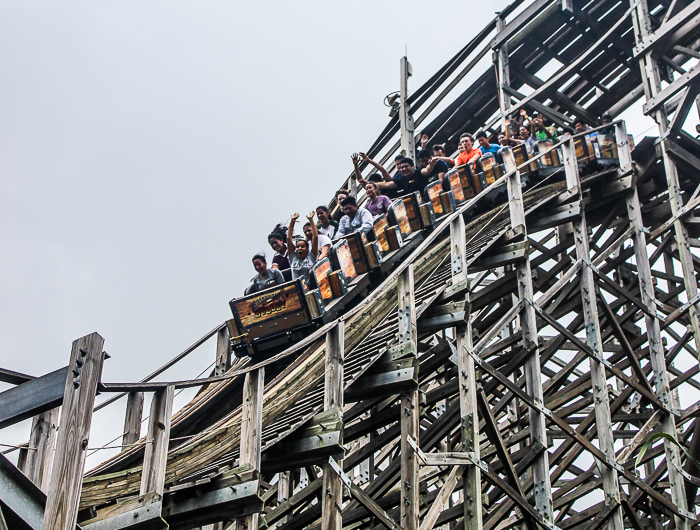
147	148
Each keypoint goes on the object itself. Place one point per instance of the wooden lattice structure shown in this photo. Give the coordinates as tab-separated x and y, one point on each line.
507	372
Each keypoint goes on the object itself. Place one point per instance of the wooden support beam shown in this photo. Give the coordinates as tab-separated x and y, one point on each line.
657	357
611	482
410	408
133	418
223	351
74	432
533	375
156	453
42	441
332	496
251	429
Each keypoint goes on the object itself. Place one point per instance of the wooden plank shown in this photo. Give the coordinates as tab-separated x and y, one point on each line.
445	492
533	373
251	429
332	497
74	432
223	351
133	418
157	440
42	441
410	409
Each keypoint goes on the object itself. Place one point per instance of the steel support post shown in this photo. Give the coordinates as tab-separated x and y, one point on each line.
611	483
540	467
332	496
652	86
658	361
408	141
471	478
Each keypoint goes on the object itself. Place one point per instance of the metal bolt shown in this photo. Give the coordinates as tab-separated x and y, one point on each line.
83	352
75	372
76	384
84	443
79	363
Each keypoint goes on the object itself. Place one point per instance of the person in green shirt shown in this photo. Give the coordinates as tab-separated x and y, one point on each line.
541	132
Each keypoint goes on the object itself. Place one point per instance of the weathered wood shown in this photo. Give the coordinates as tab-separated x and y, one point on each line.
251	429
133	418
611	483
157	440
74	432
333	390
223	351
657	355
445	493
410	410
42	441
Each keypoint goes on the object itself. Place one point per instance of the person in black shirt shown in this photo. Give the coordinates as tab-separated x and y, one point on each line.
431	167
408	179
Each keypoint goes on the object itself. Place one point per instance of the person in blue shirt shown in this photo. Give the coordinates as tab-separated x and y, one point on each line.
484	144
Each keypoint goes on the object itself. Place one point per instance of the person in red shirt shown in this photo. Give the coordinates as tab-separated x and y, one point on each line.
469	154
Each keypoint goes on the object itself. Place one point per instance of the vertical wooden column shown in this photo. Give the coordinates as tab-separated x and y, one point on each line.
332	496
284	491
156	453
63	497
408	331
251	429
641	21
133	418
658	360
533	377
473	512
408	143
611	484
42	441
503	69
223	351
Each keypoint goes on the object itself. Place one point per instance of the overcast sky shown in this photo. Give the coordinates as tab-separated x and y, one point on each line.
147	149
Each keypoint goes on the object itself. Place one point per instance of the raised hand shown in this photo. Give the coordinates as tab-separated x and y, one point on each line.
355	159
310	217
295	216
362	182
364	157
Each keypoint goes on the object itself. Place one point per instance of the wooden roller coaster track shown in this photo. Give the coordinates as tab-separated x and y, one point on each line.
532	360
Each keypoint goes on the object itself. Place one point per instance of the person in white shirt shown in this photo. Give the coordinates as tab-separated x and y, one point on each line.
355	219
324	242
302	255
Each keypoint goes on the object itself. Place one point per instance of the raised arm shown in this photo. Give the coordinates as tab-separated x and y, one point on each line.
429	168
356	163
314	234
290	234
384	172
